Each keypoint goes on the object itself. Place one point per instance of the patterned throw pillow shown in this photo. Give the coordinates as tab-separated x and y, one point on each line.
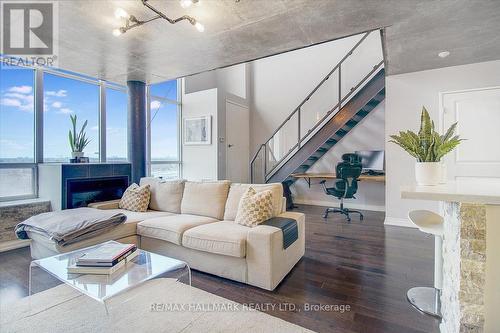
254	208
136	198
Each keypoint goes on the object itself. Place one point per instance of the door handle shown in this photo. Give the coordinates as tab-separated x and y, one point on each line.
229	145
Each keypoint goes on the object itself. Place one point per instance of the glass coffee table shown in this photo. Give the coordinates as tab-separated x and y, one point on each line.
144	267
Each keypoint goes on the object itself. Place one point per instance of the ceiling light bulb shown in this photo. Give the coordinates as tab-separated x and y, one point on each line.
117	32
199	26
186	3
121	13
443	54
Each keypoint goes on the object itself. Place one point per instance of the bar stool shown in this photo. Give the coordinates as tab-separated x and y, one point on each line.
427	299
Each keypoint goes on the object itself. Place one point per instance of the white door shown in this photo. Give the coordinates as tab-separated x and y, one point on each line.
478	115
237	142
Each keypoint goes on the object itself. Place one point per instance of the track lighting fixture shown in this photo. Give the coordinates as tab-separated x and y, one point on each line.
131	21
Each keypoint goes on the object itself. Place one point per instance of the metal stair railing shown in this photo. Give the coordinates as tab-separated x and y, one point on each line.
262	152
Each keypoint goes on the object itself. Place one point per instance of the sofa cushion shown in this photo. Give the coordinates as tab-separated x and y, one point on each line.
205	198
139	216
225	237
171	228
165	195
236	191
136	198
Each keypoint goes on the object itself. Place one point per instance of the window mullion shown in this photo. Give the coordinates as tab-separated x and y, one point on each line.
39	105
102	122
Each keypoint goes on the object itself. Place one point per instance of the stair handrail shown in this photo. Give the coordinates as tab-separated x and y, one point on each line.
297	109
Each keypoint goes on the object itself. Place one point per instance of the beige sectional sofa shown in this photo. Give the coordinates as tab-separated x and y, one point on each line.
194	222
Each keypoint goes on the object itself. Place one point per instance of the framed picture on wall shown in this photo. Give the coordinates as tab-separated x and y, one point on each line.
198	130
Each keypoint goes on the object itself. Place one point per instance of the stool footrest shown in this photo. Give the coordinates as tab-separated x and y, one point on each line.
426	300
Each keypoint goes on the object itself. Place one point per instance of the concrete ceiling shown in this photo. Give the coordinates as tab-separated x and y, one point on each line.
417	30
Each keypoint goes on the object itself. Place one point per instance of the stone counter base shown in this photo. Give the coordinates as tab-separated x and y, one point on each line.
464	268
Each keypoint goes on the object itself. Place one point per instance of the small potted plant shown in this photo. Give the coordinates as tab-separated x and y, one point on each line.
79	141
428	147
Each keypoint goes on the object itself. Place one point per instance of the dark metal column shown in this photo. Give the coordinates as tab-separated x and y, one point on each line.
137	128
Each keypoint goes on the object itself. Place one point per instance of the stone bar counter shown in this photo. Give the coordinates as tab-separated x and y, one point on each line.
470	298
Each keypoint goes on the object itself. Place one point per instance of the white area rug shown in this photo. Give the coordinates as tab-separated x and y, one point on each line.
161	305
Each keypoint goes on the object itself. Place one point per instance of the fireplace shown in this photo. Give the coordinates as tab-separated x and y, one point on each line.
81	192
71	185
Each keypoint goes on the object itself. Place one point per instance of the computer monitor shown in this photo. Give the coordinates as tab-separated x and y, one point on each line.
372	160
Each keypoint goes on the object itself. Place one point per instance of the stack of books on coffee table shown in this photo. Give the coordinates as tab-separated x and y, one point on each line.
105	259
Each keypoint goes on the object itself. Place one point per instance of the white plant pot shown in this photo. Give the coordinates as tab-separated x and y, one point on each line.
428	173
444	173
77	154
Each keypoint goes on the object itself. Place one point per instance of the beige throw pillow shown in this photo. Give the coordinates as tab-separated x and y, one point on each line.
136	198
254	208
166	195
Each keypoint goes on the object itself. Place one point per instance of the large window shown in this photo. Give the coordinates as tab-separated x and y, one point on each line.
64	97
63	94
17	138
164	124
23	120
116	125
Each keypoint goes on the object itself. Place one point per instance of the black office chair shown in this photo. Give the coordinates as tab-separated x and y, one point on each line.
346	185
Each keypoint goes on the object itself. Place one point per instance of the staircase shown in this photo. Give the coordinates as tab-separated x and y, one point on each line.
278	158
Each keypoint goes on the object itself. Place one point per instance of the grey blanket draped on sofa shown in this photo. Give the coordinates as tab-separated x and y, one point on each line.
71	225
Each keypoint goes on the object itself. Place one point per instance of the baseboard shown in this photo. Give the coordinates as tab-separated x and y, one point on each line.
14	244
396	221
300	201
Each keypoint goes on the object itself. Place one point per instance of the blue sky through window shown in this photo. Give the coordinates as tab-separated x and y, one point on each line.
164	122
17	115
116	125
64	97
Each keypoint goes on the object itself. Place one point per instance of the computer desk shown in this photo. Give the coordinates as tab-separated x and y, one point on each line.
364	177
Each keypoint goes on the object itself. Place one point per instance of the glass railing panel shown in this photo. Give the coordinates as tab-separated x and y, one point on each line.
282	143
257	168
314	110
361	62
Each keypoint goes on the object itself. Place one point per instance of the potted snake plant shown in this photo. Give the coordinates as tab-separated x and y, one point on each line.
428	147
79	141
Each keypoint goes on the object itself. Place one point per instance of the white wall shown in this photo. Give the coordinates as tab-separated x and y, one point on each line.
206	94
405	96
367	135
200	162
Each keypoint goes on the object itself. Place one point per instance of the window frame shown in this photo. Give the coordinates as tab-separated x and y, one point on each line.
34	182
103	156
149	161
38	94
28	165
101	107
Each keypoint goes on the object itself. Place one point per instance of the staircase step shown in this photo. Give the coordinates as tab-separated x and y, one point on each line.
333	140
341	132
351	123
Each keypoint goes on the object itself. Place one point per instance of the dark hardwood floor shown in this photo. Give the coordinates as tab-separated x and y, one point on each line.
365	265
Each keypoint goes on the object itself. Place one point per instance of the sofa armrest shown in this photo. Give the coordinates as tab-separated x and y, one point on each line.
267	261
111	204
